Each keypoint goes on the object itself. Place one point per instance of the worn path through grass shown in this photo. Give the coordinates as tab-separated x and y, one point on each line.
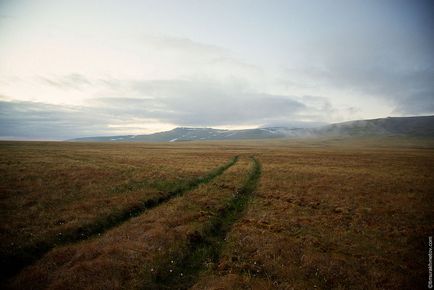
332	220
27	255
131	255
204	248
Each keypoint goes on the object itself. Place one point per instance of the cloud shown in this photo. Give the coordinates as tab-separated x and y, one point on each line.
391	68
409	91
343	61
71	81
158	104
33	120
205	103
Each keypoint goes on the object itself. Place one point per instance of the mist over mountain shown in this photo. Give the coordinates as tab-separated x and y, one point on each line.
397	126
393	126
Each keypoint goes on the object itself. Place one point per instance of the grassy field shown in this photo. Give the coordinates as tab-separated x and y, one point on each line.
52	194
308	214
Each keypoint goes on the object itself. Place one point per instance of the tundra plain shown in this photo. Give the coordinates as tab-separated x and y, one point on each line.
280	214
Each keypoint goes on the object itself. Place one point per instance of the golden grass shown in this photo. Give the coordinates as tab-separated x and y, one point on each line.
133	254
50	192
332	219
328	214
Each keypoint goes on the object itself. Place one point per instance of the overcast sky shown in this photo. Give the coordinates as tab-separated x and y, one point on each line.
90	68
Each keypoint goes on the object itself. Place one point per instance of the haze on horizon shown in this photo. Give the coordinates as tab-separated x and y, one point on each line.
90	68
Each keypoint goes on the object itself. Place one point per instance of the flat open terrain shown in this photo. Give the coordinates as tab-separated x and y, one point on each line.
326	214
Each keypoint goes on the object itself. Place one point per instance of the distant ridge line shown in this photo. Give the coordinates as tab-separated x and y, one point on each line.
417	126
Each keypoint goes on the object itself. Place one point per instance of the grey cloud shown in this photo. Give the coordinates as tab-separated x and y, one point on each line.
400	71
195	103
184	45
421	102
199	57
184	103
32	120
71	81
216	109
129	107
410	91
202	103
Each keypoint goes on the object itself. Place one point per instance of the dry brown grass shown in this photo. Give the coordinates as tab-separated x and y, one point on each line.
50	191
328	214
333	219
131	255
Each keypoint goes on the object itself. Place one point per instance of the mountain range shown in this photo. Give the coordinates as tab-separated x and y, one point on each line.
392	126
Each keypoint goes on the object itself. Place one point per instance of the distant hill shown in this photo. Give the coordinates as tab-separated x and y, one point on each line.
392	126
189	134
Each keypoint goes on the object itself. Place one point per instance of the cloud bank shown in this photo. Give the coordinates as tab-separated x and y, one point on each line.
64	76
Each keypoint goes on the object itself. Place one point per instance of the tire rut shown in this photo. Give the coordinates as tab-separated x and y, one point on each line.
204	249
26	256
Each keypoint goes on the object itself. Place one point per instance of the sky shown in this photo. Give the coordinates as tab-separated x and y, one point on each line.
94	68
